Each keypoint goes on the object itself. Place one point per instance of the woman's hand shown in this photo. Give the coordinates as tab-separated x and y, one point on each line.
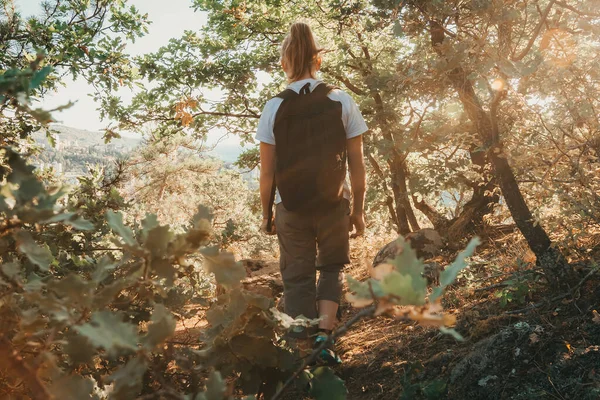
264	227
357	223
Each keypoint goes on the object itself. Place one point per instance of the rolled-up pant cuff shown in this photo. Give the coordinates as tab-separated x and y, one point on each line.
330	284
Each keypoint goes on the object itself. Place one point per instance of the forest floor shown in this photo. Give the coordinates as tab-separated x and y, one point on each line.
521	342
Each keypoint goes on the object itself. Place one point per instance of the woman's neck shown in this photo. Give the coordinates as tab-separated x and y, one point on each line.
307	75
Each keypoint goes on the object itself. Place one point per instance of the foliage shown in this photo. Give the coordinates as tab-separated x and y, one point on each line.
324	384
108	320
75	38
47	303
168	176
431	390
421	136
92	289
517	289
400	289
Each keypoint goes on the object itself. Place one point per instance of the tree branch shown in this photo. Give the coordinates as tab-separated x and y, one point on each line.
536	32
389	200
353	88
576	11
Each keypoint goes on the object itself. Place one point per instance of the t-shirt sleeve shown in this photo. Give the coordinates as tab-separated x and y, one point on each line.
264	131
353	120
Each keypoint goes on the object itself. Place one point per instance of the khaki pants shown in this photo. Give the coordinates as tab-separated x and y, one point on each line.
308	243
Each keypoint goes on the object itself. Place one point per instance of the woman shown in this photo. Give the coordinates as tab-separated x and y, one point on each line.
306	135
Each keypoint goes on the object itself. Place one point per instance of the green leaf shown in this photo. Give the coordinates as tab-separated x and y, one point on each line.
72	387
115	221
304	378
407	262
161	328
359	288
20	170
39	77
398	29
164	269
403	290
227	271
150	221
288	322
201	229
107	330
29	189
104	268
158	240
107	294
203	214
257	300
451	272
224	314
74	289
79	349
34	283
406	283
38	255
258	350
434	390
128	379
73	220
215	388
326	385
11	270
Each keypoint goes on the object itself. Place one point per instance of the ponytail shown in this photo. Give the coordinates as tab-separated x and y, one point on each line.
299	51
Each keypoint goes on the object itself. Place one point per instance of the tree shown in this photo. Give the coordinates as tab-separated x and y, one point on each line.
500	50
170	176
69	38
240	44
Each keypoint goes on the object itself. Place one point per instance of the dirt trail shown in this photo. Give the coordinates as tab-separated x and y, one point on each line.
550	352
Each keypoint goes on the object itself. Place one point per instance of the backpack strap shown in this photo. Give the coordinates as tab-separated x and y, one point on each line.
324	88
287	94
271	202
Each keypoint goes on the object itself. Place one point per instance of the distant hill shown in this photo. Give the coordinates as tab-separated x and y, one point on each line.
77	149
73	137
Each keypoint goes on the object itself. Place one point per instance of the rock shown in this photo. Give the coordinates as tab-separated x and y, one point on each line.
431	272
267	285
262	277
426	242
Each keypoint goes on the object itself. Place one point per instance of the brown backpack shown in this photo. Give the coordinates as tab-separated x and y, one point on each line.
310	150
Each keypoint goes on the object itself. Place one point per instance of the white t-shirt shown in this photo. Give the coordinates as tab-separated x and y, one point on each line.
352	119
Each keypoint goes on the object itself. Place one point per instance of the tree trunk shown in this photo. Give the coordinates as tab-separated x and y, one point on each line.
439	221
404	212
558	271
389	200
481	203
471	216
410	213
399	190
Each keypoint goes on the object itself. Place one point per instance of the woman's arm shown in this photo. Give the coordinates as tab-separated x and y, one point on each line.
267	173
358	182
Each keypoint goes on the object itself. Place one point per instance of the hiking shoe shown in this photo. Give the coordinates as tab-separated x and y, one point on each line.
327	356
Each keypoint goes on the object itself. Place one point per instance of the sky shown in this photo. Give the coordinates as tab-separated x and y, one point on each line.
169	19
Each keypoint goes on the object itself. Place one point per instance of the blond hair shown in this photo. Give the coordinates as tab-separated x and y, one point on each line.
299	51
